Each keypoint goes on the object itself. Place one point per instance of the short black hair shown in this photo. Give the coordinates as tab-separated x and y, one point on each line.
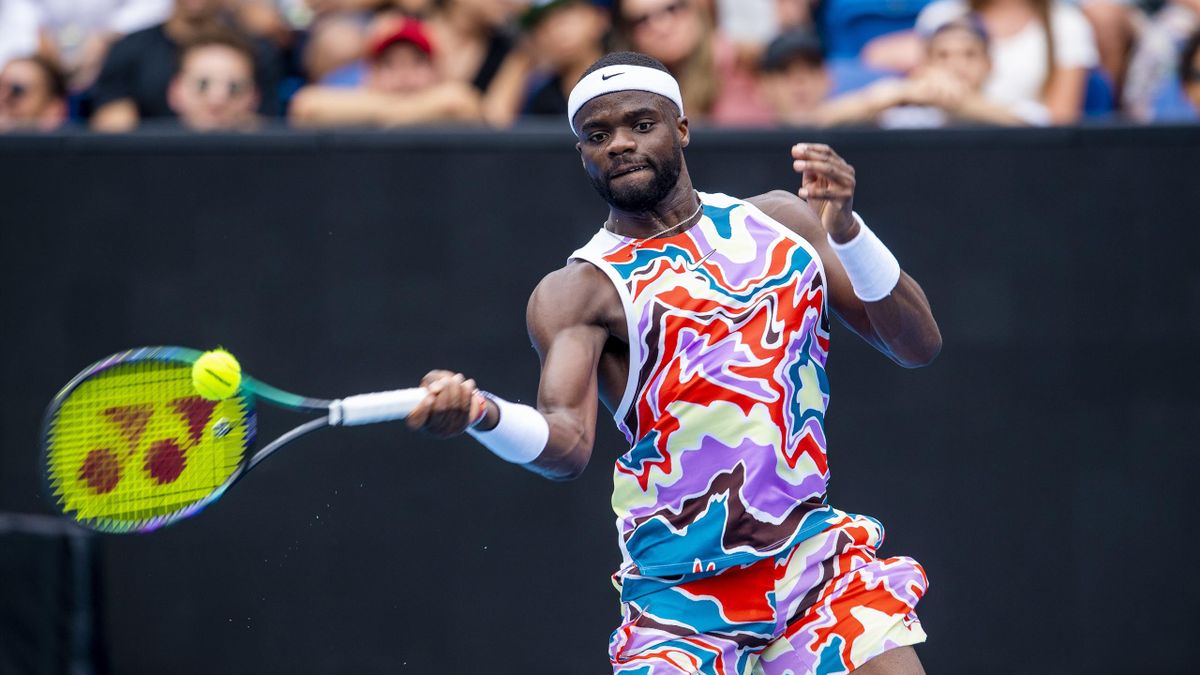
625	59
798	44
1186	57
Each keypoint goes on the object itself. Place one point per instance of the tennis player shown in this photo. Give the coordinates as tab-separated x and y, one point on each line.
702	321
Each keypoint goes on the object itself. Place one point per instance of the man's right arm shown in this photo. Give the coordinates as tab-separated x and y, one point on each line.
566	321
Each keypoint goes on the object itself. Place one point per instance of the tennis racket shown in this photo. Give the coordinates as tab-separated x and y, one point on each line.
130	446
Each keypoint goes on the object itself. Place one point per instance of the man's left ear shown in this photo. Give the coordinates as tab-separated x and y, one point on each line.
681	126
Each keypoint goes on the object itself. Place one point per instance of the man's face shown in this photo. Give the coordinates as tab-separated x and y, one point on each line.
631	144
796	90
25	99
962	53
402	69
214	89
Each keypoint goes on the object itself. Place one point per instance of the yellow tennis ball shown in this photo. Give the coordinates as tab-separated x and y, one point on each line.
216	375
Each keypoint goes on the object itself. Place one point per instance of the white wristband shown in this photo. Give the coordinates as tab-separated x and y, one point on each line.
520	435
872	268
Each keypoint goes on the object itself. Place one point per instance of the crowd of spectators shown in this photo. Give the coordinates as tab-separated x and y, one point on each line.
119	65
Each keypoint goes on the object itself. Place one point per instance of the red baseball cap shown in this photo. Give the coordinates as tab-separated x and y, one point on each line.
409	30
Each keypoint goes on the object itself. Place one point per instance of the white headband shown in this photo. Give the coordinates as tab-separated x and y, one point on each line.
611	79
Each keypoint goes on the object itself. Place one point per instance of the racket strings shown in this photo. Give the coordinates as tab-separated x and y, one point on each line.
134	445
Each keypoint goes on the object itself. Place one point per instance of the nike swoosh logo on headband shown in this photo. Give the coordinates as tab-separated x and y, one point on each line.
605	77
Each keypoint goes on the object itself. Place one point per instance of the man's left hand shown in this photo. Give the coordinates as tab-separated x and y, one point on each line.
828	187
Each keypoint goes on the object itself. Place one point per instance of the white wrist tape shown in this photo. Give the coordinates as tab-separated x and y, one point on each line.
520	435
872	268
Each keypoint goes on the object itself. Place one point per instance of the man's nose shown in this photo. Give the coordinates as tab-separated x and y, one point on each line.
622	142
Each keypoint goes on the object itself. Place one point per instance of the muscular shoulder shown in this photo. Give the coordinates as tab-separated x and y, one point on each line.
576	294
793	213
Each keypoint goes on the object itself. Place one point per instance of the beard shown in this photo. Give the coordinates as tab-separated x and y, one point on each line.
646	196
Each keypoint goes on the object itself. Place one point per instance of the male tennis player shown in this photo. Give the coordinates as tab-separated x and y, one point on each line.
701	320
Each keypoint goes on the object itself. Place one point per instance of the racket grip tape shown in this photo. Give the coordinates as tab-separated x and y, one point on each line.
383	406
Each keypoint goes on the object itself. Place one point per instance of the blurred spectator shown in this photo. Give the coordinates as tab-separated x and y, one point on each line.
1030	63
469	38
77	33
854	28
263	19
133	82
402	87
214	88
337	44
947	88
793	14
1152	90
1112	24
794	79
18	29
1189	71
562	39
748	22
717	87
338	35
33	95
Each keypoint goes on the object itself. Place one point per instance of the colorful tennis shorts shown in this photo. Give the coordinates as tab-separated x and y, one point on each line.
827	605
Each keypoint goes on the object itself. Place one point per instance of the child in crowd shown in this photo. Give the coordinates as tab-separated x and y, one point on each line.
402	87
214	88
947	88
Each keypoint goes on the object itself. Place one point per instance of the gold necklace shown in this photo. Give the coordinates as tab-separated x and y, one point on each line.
660	234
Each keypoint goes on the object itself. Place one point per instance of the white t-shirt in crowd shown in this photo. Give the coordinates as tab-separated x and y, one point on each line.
68	23
1019	61
18	30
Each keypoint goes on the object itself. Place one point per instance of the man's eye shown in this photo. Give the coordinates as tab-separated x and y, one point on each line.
643	126
597	137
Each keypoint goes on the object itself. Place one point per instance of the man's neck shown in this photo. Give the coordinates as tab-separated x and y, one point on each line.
681	204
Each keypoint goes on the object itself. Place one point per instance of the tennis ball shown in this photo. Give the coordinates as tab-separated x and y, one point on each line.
216	375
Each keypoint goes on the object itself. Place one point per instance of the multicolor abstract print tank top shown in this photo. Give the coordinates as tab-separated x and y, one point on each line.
725	403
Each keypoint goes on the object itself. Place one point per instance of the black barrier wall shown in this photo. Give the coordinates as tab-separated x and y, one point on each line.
1041	469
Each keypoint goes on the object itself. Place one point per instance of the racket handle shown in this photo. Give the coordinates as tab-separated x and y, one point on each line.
383	406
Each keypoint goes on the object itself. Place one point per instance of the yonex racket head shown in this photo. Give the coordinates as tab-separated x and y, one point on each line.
130	446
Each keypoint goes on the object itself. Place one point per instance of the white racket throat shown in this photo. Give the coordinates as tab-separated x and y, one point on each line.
383	406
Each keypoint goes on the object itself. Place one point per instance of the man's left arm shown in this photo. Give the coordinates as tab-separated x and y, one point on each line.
866	288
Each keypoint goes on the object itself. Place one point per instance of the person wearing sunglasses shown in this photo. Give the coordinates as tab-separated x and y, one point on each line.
33	96
214	88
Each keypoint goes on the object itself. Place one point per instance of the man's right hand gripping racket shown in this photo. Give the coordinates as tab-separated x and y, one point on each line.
130	445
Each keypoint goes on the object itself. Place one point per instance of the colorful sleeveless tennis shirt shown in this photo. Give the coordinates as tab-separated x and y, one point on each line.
725	403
